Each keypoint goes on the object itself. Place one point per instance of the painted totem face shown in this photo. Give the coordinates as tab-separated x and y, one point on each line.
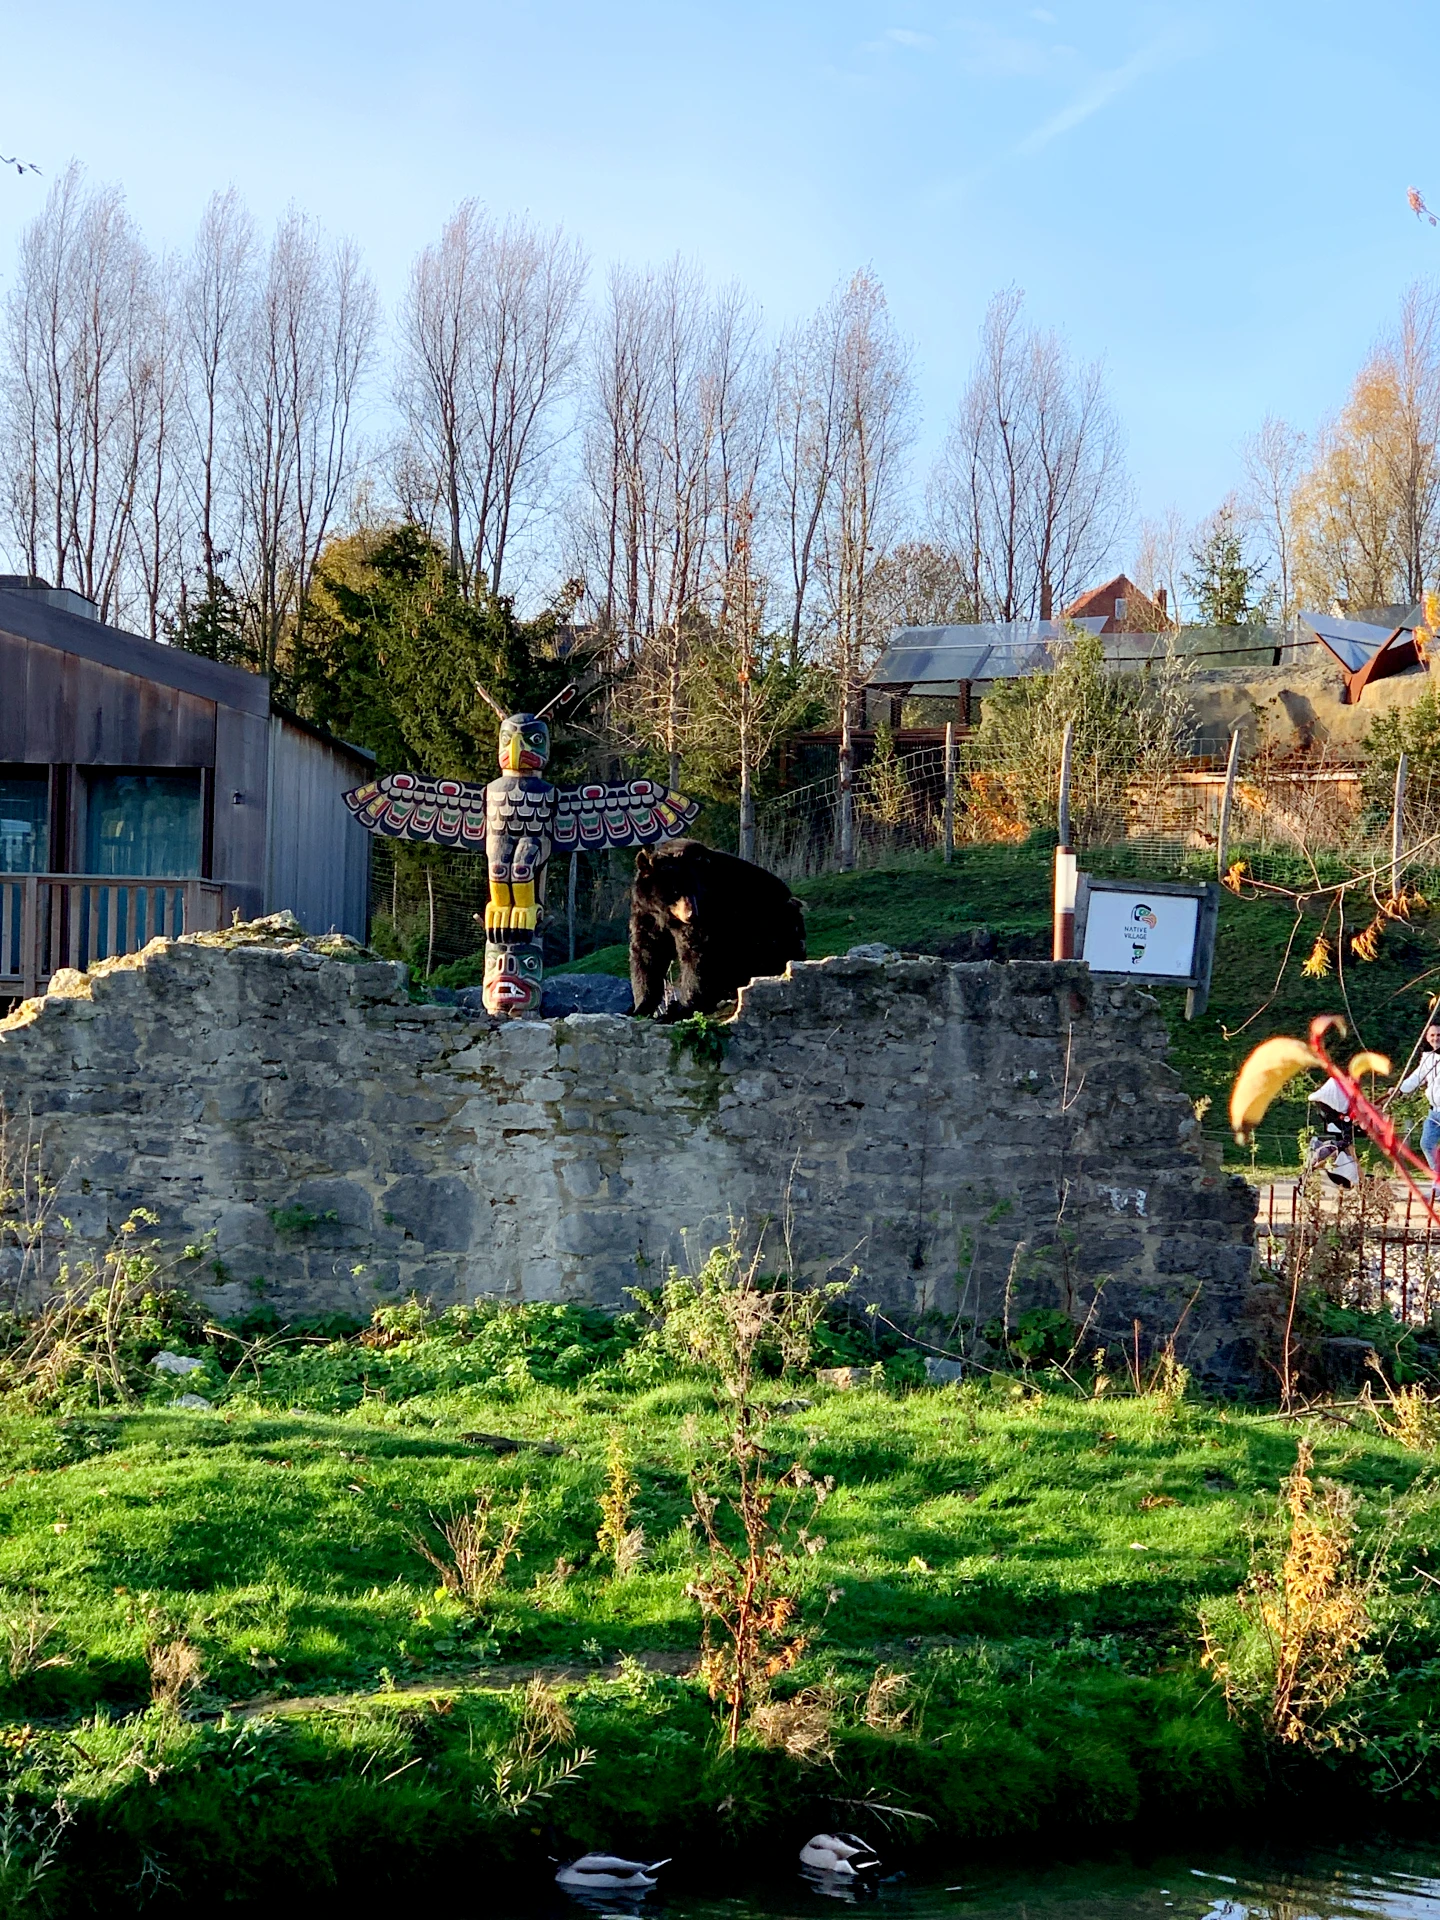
524	744
513	973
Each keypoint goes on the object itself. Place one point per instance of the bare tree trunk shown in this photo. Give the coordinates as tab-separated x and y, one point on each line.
489	329
217	294
1030	487
307	344
845	849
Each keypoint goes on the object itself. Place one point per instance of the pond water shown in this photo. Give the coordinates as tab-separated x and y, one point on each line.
1399	1882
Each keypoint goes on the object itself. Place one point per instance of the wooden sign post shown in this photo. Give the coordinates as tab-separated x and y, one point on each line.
1155	932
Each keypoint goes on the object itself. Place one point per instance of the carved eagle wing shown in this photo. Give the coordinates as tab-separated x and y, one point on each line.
405	806
636	814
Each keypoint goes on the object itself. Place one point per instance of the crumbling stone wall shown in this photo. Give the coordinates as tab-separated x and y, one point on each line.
943	1130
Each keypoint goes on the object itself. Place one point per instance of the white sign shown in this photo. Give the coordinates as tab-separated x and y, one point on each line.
1138	932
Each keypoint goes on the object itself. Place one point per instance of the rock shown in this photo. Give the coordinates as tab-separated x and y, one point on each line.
983	943
1345	1362
792	1406
194	1402
167	1362
506	1443
940	1373
564	993
444	997
843	1377
873	950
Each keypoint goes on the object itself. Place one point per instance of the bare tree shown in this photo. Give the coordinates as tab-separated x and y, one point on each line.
1162	546
218	296
489	330
306	345
809	413
78	380
919	584
1413	450
673	440
156	523
1030	490
1274	459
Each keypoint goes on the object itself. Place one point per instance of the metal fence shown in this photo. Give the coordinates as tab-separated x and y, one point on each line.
1374	1247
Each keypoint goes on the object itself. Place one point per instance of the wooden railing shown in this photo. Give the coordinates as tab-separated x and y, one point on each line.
54	920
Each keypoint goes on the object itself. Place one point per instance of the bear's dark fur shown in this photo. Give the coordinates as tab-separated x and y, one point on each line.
725	921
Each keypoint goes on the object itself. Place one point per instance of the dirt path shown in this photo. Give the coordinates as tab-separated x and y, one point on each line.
425	1687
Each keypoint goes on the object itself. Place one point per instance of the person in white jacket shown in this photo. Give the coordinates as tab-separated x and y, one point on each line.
1427	1075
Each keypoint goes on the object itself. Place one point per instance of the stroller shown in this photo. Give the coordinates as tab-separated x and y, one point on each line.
1332	1145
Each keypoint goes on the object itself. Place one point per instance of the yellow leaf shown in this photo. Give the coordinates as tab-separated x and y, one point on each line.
1318	965
1272	1065
1368	1063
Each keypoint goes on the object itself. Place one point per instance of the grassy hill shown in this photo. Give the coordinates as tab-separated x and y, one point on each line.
1000	1619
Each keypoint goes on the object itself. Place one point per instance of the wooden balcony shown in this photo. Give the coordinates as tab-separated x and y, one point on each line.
54	920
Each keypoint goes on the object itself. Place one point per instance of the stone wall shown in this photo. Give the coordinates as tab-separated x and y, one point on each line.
934	1127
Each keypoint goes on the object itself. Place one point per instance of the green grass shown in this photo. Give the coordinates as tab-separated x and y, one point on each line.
1033	1560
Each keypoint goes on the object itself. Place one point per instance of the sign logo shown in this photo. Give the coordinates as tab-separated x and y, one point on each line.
1142	921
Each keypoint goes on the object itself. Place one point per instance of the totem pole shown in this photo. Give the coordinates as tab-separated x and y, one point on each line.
519	820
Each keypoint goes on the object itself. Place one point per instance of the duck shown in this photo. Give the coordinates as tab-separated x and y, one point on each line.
843	1854
608	1873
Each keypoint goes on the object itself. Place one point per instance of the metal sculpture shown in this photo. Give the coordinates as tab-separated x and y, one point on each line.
518	821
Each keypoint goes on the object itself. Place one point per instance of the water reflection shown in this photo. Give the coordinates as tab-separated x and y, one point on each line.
1391	1883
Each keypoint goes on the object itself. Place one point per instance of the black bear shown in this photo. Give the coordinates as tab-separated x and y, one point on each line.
724	920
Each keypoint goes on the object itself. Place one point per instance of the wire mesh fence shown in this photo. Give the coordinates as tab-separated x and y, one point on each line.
427	905
1288	818
1281	810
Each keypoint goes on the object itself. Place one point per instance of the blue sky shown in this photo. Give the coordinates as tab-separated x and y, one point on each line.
1210	197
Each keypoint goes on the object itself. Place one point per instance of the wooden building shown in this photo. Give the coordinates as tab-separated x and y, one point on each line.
145	790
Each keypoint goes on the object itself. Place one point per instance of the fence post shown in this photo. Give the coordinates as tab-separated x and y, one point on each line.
29	936
1397	823
949	791
1063	938
1227	800
1067	755
847	794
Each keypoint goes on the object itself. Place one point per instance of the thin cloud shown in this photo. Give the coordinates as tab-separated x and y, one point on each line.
1101	91
907	37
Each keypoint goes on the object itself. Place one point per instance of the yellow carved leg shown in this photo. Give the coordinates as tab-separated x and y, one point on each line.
497	909
524	913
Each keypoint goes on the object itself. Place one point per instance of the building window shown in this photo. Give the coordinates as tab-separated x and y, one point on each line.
24	820
143	824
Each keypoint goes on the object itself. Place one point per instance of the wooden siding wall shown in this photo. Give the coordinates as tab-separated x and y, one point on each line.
57	709
321	872
240	826
60	709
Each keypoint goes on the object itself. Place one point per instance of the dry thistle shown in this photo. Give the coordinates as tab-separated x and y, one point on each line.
478	1546
176	1670
26	1637
888	1700
524	1773
803	1727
